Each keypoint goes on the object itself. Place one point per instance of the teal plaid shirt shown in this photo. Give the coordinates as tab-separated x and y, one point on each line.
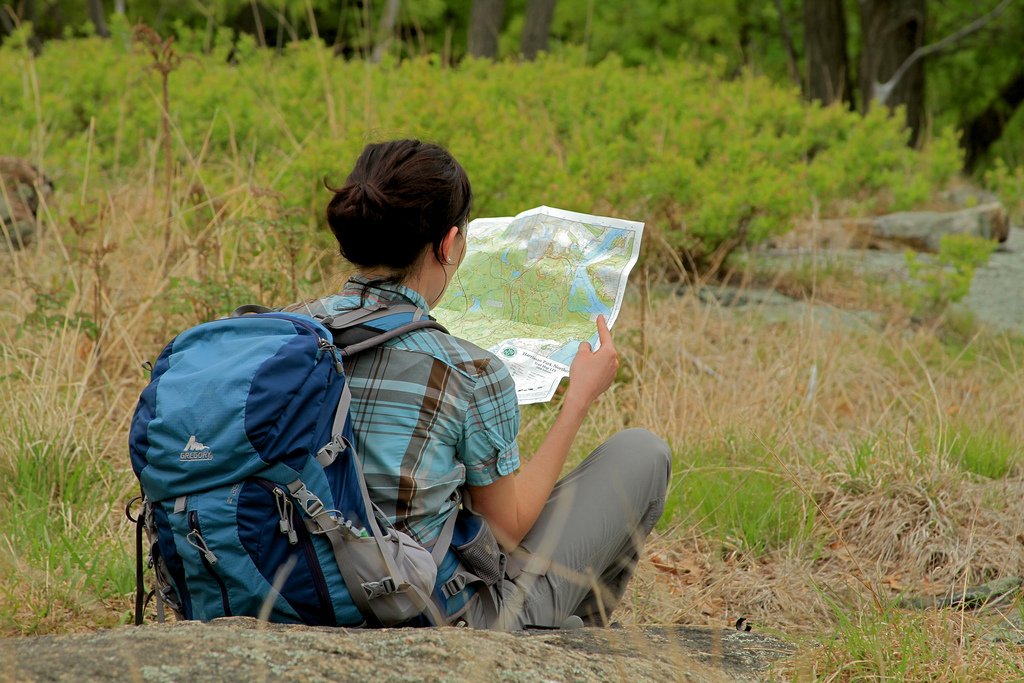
431	412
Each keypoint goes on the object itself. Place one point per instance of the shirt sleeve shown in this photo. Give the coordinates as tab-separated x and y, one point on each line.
489	449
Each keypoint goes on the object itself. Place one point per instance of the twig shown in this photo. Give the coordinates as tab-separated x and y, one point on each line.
881	91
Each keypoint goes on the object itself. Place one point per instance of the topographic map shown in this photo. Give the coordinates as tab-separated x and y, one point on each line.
531	287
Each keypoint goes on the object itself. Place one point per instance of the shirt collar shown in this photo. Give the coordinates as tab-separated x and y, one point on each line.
390	292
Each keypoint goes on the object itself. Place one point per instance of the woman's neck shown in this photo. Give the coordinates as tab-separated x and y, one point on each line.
429	285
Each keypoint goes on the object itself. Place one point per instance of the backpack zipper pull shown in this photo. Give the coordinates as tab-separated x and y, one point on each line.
199	544
284	510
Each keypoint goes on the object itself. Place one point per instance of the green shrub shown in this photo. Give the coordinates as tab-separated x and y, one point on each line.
711	163
1008	183
935	282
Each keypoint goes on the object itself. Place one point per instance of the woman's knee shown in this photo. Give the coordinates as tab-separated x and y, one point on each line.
642	445
640	452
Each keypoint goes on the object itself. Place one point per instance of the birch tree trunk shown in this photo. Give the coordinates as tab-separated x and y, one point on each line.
892	30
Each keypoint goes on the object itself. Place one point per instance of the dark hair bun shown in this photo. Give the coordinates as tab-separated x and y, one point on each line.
401	198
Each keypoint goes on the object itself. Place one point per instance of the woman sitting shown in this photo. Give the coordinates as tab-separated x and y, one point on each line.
436	418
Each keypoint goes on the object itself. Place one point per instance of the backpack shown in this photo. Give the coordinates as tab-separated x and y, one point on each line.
253	498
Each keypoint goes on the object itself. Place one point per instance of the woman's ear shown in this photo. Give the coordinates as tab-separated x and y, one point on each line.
448	246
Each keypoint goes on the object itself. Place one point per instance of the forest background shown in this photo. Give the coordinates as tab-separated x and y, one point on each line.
820	473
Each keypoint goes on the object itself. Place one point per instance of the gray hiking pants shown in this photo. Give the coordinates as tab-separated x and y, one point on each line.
581	552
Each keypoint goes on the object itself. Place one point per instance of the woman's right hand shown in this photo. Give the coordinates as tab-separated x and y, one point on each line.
512	504
592	372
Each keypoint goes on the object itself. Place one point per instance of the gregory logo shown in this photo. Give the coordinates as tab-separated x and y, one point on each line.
196	450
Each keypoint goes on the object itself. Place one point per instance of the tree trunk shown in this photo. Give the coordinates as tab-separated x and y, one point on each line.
828	67
537	29
98	19
891	31
5	20
485	19
119	7
386	31
981	132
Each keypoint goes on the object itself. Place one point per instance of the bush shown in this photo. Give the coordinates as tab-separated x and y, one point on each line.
710	163
936	282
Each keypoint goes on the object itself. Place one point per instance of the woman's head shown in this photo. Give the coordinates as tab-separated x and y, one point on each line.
399	202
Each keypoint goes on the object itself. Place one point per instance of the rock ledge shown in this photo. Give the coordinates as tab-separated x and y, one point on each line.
242	649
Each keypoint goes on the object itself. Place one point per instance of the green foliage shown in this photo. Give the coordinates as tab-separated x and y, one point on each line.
883	643
710	163
936	282
963	82
1008	183
988	452
734	491
53	489
730	34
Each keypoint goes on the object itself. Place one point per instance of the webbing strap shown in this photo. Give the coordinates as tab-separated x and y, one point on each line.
340	321
444	540
251	308
161	615
485	594
462	579
341	414
363	316
378	339
427	606
329	453
140	591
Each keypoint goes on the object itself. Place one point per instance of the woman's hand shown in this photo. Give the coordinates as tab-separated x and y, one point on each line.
592	372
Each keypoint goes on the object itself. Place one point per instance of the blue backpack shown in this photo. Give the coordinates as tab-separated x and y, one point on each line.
253	497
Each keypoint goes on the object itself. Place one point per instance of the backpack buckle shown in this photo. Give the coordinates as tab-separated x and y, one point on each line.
453	586
375	589
330	452
307	500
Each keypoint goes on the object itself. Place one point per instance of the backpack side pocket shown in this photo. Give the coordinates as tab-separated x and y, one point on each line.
478	549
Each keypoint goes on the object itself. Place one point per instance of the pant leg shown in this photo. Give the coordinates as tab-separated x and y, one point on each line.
581	552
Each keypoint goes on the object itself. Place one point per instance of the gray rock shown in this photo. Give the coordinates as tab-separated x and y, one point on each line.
774	307
997	292
919	230
965	197
923	230
243	649
991	593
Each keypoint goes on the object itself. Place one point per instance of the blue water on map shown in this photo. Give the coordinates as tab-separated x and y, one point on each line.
606	244
582	280
565	354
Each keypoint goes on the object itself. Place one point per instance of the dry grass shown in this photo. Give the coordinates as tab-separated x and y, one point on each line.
855	424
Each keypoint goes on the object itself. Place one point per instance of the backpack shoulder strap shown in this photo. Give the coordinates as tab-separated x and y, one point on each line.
364	328
251	308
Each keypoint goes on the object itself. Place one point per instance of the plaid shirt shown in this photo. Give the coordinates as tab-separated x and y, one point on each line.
431	412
